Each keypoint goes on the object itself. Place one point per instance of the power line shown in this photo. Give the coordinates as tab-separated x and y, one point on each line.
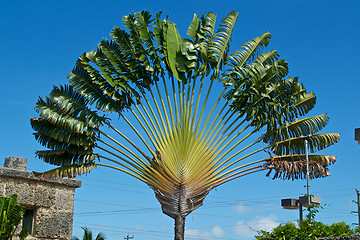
227	202
233	202
117	211
152	233
122	189
145	187
231	199
117	183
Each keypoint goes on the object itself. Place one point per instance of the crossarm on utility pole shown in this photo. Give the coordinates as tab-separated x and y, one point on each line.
128	237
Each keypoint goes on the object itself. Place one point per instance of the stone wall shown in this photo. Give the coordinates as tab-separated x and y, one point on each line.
352	237
52	200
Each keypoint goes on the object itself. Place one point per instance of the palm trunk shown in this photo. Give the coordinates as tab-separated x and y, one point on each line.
179	204
179	227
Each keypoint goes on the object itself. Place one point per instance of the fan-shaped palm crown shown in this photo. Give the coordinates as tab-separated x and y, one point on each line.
193	109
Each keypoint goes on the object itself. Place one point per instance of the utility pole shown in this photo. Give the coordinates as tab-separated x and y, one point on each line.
358	205
128	237
307	177
300	213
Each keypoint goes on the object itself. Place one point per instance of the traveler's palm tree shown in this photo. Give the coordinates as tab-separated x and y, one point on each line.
192	115
88	235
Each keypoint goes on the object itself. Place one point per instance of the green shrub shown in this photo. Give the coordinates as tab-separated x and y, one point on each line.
306	231
11	214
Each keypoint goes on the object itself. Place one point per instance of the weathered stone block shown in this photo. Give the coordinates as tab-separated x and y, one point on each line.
16	163
53	224
31	193
64	198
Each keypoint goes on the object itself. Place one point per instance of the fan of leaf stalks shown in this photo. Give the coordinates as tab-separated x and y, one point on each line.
189	115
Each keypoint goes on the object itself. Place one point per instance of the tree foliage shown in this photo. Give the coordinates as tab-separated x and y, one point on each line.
89	236
307	231
189	111
11	214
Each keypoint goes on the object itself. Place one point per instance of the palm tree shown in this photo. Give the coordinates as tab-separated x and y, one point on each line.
11	214
88	235
191	114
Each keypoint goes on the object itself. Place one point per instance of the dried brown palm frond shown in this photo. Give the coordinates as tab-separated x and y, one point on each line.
294	166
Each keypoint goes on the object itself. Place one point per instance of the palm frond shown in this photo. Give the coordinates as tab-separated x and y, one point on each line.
267	58
207	27
74	104
249	50
66	108
67	157
205	36
273	104
173	48
220	44
194	28
188	56
64	136
147	36
296	145
305	103
122	68
141	46
139	50
298	128
83	81
51	111
277	70
67	171
290	167
66	126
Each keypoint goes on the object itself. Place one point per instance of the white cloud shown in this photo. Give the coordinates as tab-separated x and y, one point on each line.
240	208
196	233
243	229
218	232
250	228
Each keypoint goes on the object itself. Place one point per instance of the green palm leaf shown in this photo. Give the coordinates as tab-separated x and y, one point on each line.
298	128
81	80
70	156
173	48
73	103
265	58
205	35
296	145
248	51
221	40
49	131
67	109
136	31
194	28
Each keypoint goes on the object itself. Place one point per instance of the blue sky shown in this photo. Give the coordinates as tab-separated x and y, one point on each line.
41	41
